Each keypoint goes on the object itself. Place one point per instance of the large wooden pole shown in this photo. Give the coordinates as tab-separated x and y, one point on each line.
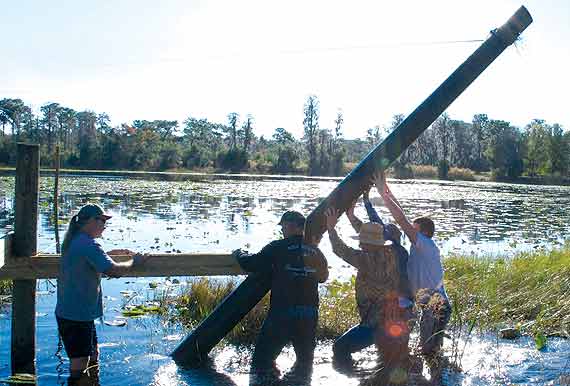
25	244
193	350
377	160
418	121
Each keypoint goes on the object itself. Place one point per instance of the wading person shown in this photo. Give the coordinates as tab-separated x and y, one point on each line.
382	321
79	297
425	272
296	269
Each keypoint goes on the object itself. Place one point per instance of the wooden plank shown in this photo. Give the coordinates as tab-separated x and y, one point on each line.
23	343
351	186
176	264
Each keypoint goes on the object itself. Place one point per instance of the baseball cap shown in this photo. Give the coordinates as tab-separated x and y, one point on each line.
92	210
293	217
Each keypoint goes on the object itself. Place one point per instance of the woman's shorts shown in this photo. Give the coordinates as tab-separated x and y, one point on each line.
79	338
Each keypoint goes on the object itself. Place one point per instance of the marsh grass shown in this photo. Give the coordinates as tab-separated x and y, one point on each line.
430	172
530	291
5	290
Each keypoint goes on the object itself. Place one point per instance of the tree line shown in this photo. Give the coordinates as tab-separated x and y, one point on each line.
87	139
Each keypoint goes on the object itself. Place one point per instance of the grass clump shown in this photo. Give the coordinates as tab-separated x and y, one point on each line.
530	291
5	287
337	309
5	290
461	174
200	298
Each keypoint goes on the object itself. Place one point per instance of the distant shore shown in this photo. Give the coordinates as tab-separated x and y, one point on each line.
208	174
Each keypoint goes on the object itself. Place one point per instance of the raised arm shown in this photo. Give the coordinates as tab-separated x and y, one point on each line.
372	214
394	207
350	255
354	221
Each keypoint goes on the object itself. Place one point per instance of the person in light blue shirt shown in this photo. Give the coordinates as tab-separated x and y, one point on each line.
425	272
79	297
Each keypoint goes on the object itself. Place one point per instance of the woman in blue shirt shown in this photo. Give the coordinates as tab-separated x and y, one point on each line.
79	297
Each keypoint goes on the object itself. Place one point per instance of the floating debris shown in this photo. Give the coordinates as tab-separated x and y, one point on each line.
20	379
509	333
116	322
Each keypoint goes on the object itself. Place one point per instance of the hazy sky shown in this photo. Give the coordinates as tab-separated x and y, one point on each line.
169	59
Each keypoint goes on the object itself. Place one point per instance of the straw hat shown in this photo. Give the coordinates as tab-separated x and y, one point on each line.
372	233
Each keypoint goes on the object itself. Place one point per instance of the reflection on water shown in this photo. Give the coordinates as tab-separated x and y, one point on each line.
138	353
171	216
162	216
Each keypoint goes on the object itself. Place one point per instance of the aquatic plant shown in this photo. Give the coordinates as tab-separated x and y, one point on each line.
5	290
530	291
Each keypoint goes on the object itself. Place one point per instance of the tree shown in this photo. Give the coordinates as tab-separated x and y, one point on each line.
480	133
49	122
287	155
86	121
503	150
282	136
247	133
373	136
558	151
311	129
338	151
67	123
233	119
13	110
537	142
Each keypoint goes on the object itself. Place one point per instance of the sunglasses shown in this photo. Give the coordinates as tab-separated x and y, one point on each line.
102	219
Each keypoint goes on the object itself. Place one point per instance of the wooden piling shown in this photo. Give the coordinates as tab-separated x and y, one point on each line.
56	199
25	244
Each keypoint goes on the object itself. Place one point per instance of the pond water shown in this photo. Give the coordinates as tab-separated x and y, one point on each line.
485	219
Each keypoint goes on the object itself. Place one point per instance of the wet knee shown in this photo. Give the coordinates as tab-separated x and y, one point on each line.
78	364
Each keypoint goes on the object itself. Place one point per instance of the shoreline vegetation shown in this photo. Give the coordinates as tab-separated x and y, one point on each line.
528	293
423	172
449	148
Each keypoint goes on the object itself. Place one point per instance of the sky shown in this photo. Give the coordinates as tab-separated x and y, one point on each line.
170	59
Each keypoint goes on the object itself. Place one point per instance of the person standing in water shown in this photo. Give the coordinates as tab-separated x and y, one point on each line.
79	296
296	268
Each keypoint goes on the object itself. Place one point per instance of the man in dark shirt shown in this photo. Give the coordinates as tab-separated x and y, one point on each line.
296	269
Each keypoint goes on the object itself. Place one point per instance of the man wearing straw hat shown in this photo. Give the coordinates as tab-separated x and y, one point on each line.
382	321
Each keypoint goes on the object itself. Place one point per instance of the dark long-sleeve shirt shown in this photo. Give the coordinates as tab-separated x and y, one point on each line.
296	269
372	214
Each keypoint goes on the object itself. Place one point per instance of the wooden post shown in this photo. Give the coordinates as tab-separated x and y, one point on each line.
56	199
378	159
25	244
